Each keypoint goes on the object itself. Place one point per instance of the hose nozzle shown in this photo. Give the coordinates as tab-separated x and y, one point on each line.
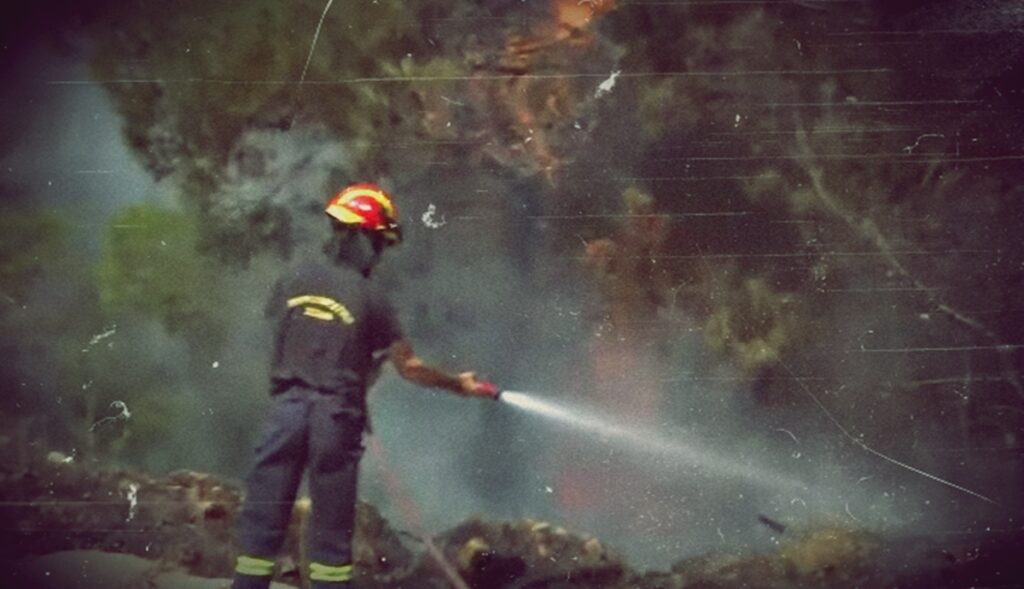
489	389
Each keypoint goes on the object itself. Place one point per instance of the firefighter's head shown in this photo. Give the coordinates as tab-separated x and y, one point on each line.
365	222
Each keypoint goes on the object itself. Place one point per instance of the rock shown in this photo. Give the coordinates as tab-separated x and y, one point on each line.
517	554
184	523
186	520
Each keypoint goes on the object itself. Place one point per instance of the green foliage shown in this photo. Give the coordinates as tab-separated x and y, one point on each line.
651	105
830	553
709	102
150	266
830	159
212	69
752	323
29	241
208	72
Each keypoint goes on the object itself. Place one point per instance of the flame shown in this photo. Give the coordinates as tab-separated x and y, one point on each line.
573	15
530	116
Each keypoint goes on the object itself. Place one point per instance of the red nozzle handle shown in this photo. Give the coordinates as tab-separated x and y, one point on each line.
488	388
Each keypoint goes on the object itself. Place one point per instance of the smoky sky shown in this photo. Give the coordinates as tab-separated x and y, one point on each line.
62	149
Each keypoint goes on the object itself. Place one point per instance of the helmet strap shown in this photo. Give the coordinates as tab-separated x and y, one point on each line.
354	248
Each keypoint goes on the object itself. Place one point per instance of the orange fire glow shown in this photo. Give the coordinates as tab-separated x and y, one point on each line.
573	15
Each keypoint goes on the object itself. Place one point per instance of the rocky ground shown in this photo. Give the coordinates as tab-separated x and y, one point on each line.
73	525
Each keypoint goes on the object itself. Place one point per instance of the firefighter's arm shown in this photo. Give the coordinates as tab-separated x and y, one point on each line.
411	368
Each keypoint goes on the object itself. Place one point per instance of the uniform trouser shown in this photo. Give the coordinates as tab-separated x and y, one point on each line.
303	428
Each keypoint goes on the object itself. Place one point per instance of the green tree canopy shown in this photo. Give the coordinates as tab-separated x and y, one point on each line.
150	266
29	240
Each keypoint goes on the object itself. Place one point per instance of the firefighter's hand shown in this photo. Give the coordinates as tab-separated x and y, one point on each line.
471	387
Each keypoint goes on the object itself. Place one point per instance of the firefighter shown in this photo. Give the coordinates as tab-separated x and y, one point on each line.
334	329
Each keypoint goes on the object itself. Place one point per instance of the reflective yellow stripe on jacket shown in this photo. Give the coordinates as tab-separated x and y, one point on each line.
333	574
321	307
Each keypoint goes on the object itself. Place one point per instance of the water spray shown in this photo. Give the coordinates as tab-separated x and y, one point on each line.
674	446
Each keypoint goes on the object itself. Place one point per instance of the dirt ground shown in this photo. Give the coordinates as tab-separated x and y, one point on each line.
73	526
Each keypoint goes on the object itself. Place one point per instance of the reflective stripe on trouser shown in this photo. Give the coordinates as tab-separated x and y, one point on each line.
252	573
304	428
331	574
251	565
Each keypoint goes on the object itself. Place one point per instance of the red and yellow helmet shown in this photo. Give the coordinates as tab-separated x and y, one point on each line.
366	206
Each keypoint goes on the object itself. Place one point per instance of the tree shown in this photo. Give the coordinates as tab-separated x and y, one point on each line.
210	73
150	266
854	182
29	240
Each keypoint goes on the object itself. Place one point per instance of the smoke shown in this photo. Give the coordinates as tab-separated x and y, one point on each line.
64	152
272	188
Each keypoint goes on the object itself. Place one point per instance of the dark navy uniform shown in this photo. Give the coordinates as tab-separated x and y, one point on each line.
333	330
